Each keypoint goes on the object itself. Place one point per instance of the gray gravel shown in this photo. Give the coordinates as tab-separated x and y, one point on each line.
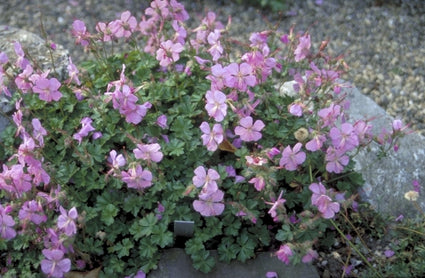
383	41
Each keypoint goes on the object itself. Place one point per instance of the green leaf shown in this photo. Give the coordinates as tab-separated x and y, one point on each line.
143	227
161	236
122	248
247	245
284	234
132	204
227	250
147	248
203	261
108	214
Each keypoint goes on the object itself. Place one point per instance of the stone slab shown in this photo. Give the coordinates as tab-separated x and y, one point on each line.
174	263
389	178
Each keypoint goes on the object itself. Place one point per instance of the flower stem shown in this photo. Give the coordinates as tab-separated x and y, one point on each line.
354	248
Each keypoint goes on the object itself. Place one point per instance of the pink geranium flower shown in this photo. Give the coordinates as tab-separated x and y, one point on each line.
208	180
284	253
344	138
336	160
259	182
32	211
6	224
66	221
275	204
291	158
38	131
303	48
55	265
217	77
116	161
249	131
216	50
168	53
315	143
240	76
48	89
137	178
211	137
79	31
322	201
124	26
216	105
210	204
148	152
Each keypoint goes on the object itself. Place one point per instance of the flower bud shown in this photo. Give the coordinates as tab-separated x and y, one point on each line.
301	134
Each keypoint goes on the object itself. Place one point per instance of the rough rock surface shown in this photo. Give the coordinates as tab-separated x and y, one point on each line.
389	178
36	48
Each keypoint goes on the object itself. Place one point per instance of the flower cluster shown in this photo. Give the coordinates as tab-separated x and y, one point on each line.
101	164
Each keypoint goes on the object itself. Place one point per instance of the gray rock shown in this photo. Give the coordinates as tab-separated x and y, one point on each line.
174	263
389	178
37	49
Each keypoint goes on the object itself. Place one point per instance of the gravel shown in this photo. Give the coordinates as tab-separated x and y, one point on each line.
383	42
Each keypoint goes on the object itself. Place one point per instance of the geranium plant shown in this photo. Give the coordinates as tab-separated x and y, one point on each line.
178	126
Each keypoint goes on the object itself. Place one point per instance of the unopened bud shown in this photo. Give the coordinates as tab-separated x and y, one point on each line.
301	134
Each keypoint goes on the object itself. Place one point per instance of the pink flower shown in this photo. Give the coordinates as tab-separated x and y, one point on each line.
55	265
79	31
278	203
105	30
240	76
179	12
161	121
323	202
206	180
291	158
32	211
85	129
249	131
158	8
310	256
216	50
210	204
73	73
48	89
211	138
315	143
6	224
66	221
303	48
21	61
216	105
168	53
38	131
330	114
217	77
22	81
326	206
271	274
255	160
336	160
148	152
137	178
136	113
284	253
345	138
259	183
296	109
117	161
124	26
